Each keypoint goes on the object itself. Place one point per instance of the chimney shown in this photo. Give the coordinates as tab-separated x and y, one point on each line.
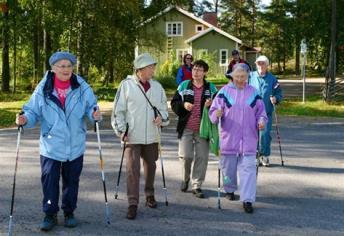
210	17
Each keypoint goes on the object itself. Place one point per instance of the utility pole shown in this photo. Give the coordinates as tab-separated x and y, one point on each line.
333	59
303	47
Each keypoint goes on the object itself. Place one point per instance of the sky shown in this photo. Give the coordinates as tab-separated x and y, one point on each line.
266	2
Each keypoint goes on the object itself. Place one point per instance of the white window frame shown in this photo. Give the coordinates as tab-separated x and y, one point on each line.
176	23
220	57
199	25
180	53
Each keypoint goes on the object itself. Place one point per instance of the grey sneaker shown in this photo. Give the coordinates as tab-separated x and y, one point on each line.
70	221
49	221
265	161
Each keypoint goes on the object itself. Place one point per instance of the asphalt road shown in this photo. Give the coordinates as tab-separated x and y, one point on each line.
305	197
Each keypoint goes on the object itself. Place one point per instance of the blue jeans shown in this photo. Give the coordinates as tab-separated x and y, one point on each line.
265	138
50	179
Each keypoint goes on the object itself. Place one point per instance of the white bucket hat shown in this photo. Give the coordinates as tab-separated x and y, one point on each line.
143	60
263	59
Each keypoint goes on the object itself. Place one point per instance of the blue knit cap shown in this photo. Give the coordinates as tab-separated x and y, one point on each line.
57	56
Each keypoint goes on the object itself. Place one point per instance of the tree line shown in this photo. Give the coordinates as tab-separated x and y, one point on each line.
103	33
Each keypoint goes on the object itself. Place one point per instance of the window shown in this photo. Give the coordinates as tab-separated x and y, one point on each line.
174	28
180	54
223	57
199	28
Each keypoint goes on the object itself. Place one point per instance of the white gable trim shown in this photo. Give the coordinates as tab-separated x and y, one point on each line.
196	19
196	36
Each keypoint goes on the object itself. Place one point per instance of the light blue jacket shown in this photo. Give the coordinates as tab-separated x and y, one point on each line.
63	130
267	86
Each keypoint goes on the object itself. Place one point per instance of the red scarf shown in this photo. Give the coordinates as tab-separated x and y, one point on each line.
146	85
61	88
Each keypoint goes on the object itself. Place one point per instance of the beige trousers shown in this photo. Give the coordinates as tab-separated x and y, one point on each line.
193	149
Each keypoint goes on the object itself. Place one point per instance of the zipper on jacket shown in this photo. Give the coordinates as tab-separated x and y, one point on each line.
146	114
242	121
68	102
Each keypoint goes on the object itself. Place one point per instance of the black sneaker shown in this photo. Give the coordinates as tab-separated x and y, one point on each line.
198	193
248	207
184	186
49	221
70	221
230	196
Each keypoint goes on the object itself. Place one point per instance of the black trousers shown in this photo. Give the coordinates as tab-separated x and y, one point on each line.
51	171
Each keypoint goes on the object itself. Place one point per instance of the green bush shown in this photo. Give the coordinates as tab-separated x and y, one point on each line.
210	58
95	75
167	82
169	67
7	118
11	97
107	94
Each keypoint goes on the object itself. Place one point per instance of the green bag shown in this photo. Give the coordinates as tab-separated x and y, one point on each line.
209	131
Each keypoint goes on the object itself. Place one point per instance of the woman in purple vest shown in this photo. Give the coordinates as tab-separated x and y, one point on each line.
185	70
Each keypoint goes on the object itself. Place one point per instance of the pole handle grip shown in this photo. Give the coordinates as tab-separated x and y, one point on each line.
126	132
95	122
20	127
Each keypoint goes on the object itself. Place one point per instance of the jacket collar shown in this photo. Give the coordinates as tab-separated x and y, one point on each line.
49	84
205	84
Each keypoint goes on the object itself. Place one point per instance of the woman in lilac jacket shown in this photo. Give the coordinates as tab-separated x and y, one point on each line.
241	112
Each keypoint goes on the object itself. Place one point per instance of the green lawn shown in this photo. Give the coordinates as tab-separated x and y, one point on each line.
313	107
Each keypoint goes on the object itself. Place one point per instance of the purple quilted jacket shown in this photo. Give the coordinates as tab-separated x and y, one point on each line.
242	110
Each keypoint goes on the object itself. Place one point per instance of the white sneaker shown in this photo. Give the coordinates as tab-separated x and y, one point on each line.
265	161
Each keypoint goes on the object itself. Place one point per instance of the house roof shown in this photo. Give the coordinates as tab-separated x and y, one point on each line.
213	28
251	49
189	14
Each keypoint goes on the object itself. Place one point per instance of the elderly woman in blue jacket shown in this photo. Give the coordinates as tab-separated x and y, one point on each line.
60	103
269	89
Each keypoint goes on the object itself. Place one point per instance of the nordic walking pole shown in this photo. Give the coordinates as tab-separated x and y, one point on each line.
278	135
219	176
162	172
257	155
120	166
96	127
10	224
218	188
161	160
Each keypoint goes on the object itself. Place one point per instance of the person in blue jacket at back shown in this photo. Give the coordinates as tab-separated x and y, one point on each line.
185	70
269	89
60	103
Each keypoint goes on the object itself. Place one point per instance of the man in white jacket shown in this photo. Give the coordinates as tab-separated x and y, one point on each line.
141	103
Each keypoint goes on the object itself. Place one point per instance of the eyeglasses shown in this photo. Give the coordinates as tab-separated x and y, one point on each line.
188	58
197	69
64	67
